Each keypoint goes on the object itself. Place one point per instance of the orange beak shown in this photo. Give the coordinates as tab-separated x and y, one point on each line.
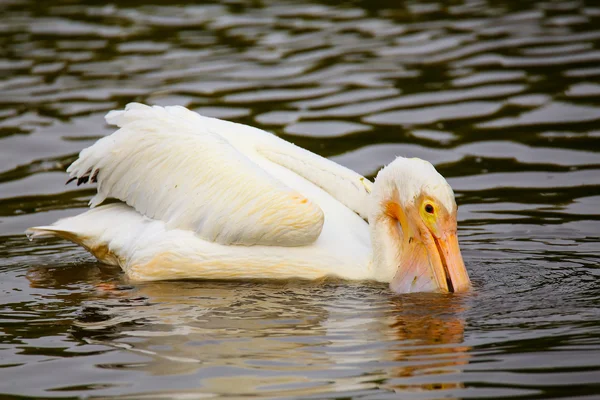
434	264
448	266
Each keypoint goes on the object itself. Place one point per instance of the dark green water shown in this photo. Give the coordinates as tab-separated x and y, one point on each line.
503	97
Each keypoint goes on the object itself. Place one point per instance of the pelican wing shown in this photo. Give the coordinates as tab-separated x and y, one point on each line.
168	164
346	186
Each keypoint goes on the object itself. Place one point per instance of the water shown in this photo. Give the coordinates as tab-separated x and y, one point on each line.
503	97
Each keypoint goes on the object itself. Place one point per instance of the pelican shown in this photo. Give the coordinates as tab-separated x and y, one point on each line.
203	198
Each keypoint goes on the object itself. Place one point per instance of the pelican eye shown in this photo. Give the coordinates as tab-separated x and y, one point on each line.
429	208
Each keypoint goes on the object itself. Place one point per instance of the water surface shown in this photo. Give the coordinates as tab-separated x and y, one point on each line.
503	97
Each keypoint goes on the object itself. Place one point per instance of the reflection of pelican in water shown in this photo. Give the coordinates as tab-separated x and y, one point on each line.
430	343
292	338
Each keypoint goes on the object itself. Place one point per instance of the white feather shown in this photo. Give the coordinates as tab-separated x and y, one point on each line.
147	250
170	166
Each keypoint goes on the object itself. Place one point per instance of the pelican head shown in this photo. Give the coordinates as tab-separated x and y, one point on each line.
412	216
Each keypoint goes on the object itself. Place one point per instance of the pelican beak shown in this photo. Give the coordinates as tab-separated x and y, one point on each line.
431	263
447	263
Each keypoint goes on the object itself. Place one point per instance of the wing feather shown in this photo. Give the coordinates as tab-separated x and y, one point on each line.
346	186
168	165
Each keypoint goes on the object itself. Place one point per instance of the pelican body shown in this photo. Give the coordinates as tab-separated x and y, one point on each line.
211	199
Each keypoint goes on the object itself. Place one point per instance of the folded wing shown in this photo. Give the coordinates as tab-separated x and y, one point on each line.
168	165
346	186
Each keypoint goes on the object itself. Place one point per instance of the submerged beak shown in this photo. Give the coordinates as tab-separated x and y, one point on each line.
431	264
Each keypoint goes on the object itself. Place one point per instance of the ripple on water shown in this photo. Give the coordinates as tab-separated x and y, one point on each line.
433	114
554	113
328	129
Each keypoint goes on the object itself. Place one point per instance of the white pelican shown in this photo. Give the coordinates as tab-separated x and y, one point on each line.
212	199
